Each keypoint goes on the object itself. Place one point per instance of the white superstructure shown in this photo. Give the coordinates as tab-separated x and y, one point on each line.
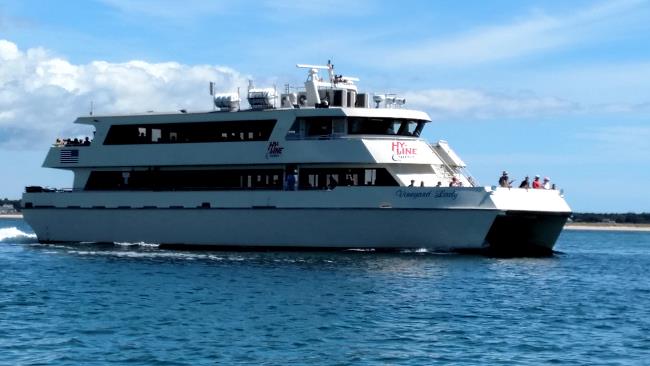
327	167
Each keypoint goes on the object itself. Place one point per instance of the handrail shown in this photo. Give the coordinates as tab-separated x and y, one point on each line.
462	171
449	168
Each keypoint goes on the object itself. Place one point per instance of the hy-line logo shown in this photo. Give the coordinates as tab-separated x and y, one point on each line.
401	151
274	150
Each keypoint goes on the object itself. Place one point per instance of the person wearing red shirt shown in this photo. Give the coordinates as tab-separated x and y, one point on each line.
536	183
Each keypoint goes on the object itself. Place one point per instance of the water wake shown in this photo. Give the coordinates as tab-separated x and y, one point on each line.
14	235
138	244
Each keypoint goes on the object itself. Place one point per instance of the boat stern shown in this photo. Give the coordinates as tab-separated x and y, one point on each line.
530	221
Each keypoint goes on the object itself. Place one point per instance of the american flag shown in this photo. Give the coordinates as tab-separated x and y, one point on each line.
69	156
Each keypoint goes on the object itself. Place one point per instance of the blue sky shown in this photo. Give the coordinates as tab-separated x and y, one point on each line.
555	88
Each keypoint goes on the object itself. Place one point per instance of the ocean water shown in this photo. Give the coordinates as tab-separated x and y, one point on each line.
139	305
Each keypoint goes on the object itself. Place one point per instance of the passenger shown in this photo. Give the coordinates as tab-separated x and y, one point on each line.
332	183
455	182
525	183
87	141
504	180
536	183
348	180
290	181
547	183
412	183
439	184
421	183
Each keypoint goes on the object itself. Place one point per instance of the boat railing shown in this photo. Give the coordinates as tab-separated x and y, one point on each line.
38	189
341	136
72	143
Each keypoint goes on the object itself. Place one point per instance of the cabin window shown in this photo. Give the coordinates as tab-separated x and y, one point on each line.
191	132
155	134
323	178
370	176
320	127
206	179
312	180
235	179
338	126
295	130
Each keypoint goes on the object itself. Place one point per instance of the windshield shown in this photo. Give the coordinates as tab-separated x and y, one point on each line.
385	126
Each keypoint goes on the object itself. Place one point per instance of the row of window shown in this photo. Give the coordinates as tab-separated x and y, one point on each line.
259	130
245	179
256	130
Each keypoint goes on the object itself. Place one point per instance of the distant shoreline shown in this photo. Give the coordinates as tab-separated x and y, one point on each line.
597	226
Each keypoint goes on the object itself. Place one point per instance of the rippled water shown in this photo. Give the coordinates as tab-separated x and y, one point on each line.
139	305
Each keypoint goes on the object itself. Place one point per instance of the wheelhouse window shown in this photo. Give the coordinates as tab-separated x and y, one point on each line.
257	130
317	128
333	127
385	126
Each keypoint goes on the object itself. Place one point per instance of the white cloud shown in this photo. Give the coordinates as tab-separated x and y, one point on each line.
480	104
8	50
40	95
521	38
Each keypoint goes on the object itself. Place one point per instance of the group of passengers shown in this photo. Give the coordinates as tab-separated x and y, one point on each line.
505	182
455	182
73	142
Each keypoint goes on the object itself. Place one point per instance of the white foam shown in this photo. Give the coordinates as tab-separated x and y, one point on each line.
418	250
137	244
153	255
14	235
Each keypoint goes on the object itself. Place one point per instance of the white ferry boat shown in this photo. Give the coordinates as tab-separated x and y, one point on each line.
328	167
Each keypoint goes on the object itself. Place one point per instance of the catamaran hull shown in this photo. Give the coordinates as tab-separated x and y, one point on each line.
267	227
449	219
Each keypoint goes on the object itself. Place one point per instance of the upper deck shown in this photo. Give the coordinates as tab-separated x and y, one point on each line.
328	122
329	131
277	136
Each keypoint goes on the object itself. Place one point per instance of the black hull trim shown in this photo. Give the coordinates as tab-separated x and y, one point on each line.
525	233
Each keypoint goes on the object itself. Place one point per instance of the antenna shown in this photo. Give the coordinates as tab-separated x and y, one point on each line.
92	107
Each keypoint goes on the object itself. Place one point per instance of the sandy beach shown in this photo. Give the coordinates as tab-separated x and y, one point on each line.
11	216
607	227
